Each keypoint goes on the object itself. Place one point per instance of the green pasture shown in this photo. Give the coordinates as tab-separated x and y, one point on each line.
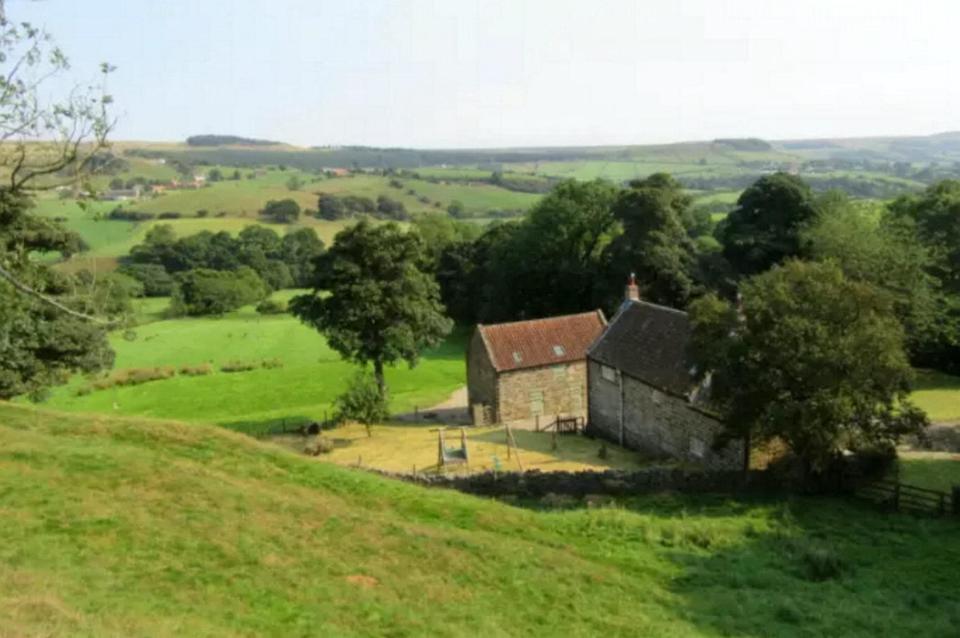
939	395
303	389
135	527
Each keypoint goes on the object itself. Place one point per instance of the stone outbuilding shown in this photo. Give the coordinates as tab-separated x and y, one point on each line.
642	388
524	369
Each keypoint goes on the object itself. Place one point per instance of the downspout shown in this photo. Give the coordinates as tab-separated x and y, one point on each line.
620	383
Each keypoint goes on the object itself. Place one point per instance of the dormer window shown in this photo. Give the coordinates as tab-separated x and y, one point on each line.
559	351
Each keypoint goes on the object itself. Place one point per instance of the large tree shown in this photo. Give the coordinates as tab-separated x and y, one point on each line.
550	265
373	299
811	358
887	253
48	326
934	217
766	226
654	243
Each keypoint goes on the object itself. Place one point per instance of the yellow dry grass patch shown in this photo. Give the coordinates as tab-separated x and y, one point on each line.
398	448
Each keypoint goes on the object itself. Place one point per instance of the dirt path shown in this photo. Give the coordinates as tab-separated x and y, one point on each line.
451	411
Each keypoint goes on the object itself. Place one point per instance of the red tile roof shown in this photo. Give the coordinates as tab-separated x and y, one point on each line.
540	342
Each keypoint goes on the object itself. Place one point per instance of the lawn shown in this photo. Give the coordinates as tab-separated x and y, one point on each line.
132	527
401	447
932	470
939	395
303	389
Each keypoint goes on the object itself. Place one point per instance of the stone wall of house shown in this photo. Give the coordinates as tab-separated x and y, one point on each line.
481	380
548	390
656	422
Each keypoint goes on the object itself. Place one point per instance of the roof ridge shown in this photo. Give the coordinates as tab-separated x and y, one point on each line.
551	318
657	306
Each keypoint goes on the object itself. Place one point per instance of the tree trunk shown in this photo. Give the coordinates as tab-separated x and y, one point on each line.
378	375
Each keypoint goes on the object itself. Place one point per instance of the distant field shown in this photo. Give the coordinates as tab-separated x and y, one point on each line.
303	389
619	171
939	395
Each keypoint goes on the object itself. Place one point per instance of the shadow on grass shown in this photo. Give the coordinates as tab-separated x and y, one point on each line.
804	566
271	426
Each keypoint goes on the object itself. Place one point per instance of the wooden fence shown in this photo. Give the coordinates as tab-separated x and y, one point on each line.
898	496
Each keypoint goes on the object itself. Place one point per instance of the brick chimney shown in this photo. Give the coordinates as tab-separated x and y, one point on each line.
633	290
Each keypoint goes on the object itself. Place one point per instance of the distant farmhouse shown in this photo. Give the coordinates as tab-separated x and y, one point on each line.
642	390
525	369
121	194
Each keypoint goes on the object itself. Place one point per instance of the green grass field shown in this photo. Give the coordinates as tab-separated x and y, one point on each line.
939	395
122	527
303	389
932	470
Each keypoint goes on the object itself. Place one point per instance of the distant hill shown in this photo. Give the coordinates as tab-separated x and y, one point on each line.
744	144
227	140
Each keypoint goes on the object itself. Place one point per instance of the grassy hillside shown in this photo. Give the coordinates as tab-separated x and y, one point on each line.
132	527
311	376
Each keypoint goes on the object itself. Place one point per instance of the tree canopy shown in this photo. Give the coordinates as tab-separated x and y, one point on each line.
372	298
766	226
811	358
49	325
654	244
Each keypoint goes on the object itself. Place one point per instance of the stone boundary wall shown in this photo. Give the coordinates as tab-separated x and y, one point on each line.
537	484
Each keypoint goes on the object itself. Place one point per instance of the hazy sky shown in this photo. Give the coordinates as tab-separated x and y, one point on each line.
482	73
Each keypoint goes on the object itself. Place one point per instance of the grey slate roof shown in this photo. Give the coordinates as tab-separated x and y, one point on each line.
648	342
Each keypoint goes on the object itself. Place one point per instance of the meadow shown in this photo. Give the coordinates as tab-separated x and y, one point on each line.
939	395
302	390
119	526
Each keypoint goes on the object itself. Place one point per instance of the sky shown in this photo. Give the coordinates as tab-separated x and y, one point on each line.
492	73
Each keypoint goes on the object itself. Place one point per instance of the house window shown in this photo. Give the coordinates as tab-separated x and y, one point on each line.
697	447
517	358
608	373
559	351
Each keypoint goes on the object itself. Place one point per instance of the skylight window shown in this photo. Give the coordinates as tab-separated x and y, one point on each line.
559	351
517	358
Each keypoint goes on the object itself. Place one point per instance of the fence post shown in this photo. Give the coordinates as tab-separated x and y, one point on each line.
956	500
537	426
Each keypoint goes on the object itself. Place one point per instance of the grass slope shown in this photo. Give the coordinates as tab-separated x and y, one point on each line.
133	527
303	389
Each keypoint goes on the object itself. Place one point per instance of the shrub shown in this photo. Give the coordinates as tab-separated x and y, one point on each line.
196	371
157	282
129	215
213	292
362	402
238	366
271	307
270	364
281	211
203	212
170	215
318	444
129	377
136	376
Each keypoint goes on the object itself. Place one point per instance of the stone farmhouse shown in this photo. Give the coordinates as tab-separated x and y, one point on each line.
522	370
642	391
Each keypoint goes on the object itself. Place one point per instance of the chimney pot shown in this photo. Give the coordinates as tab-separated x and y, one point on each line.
633	290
